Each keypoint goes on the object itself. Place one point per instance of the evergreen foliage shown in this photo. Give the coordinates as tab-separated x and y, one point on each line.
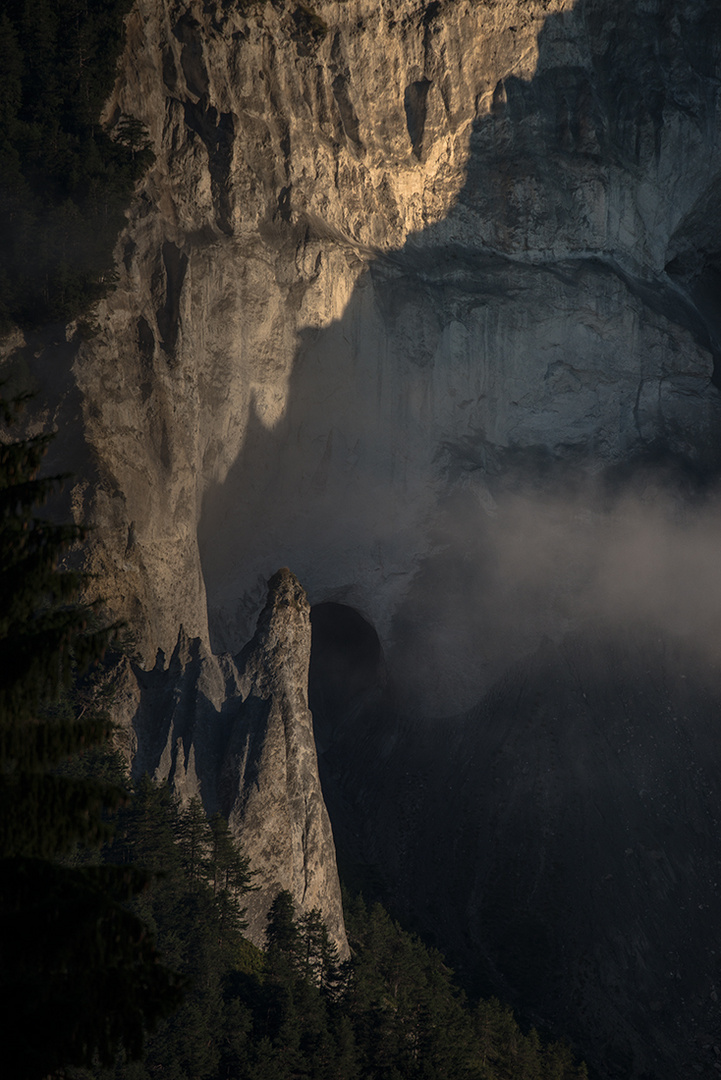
411	1021
44	636
194	905
79	976
65	180
392	1012
78	967
282	936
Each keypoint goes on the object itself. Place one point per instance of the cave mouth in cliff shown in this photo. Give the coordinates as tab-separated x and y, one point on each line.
346	666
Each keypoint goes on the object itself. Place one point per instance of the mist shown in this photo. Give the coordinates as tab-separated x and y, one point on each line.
516	567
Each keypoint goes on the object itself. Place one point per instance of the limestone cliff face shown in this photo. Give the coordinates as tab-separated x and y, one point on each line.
238	734
394	264
383	247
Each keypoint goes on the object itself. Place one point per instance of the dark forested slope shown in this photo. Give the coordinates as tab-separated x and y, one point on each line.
65	178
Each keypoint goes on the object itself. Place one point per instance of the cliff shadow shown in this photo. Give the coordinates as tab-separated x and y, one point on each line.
527	342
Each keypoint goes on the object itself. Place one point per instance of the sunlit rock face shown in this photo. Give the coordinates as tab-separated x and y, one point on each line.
384	250
236	732
422	301
290	150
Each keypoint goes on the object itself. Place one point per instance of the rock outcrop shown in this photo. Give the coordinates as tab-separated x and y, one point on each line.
383	250
238	734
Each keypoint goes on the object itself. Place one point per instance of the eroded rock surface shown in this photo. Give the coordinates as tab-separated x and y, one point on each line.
382	248
238	734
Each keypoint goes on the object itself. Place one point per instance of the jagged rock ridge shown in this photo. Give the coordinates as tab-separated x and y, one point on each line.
381	250
238	734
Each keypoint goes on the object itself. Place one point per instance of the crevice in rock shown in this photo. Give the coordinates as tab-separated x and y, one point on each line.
702	283
348	117
168	316
191	56
416	105
170	74
217	130
146	353
284	204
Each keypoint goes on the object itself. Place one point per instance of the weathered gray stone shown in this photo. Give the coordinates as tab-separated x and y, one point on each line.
269	779
239	734
368	263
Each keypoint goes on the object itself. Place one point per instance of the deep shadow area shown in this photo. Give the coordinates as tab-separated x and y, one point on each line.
560	844
323	488
346	668
355	719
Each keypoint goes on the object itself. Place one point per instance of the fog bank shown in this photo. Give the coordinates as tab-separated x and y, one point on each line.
518	566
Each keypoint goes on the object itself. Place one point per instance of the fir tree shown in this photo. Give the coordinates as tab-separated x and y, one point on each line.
65	180
230	875
195	840
79	976
198	878
282	935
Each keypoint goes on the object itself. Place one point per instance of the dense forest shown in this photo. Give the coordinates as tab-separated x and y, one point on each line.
65	179
80	976
295	1010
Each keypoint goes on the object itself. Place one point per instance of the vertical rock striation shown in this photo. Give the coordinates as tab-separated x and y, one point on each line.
384	248
269	781
238	734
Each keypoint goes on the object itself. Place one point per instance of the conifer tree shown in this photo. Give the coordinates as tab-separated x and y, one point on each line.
193	902
230	875
311	933
282	934
79	975
44	636
195	840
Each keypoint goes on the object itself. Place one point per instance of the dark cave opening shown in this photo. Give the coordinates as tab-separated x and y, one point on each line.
346	668
699	274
